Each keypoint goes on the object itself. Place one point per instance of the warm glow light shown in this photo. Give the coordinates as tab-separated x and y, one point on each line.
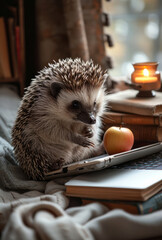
145	72
146	78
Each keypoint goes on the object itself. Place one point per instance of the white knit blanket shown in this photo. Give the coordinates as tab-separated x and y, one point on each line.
32	210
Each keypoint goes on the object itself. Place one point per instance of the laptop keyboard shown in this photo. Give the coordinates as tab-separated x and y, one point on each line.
152	162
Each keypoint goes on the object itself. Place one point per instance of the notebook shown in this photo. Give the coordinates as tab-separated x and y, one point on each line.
104	161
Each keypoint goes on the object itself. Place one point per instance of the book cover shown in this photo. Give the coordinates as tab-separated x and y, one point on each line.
151	205
126	101
113	118
116	184
4	51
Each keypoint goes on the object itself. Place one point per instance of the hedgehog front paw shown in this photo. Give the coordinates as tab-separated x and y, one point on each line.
86	143
87	132
57	164
100	150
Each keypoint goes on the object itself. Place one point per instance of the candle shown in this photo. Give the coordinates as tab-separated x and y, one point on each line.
145	79
146	76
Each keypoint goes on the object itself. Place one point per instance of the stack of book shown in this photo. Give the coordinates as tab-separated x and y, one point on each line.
142	115
124	189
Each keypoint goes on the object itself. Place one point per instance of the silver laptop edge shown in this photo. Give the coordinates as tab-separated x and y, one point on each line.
104	161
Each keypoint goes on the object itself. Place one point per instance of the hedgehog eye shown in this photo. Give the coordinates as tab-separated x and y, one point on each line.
94	103
76	104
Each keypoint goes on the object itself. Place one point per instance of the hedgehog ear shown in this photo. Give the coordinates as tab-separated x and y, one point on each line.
56	88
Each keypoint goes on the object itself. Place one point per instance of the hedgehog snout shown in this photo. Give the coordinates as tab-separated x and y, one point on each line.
86	117
92	119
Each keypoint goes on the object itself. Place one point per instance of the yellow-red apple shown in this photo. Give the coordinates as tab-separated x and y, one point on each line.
118	139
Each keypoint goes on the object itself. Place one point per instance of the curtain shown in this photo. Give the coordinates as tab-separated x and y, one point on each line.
69	28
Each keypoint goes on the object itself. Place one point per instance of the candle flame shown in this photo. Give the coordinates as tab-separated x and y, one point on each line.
145	72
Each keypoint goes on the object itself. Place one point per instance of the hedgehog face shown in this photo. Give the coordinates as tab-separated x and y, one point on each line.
83	113
82	105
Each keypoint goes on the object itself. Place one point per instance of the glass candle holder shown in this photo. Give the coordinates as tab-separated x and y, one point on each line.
147	78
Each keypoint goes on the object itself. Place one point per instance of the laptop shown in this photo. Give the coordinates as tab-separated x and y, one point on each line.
116	161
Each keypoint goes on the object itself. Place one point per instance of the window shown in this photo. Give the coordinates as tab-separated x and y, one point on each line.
136	29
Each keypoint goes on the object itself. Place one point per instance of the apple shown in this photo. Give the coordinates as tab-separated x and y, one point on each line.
118	139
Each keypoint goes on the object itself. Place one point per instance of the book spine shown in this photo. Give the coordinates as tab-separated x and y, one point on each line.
114	118
4	51
12	43
17	34
151	205
142	133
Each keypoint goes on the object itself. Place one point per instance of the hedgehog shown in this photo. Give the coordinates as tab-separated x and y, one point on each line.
59	118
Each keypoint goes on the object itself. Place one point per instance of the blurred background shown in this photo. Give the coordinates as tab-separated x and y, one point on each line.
136	30
113	33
